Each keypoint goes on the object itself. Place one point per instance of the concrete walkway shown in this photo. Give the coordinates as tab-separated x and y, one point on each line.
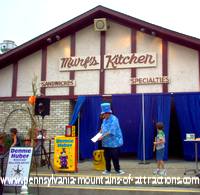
175	168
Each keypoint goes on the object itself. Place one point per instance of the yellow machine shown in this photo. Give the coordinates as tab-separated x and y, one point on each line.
99	160
66	152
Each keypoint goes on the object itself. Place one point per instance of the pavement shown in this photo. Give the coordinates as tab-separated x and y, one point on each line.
133	169
174	168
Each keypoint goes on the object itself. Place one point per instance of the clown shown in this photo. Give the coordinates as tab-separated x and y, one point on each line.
63	159
112	139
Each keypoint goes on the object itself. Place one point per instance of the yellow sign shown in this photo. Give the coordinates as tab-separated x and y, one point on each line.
65	153
99	160
73	131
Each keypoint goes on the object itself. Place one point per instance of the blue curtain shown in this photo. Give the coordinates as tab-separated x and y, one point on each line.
156	108
188	114
163	115
79	103
89	123
128	110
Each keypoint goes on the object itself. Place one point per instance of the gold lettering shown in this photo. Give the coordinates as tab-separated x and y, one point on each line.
111	61
141	59
149	80
126	60
133	59
149	59
94	61
63	63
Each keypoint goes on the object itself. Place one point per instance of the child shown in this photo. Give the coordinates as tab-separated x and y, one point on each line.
15	138
2	143
159	145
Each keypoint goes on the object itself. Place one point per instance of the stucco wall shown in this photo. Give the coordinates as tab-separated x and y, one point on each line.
6	81
183	65
56	51
118	40
28	67
87	44
147	43
183	68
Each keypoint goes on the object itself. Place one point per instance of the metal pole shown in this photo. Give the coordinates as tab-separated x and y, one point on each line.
196	156
143	129
78	134
143	132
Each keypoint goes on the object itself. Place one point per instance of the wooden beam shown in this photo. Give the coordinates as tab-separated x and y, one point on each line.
165	63
14	80
102	53
133	50
72	53
44	69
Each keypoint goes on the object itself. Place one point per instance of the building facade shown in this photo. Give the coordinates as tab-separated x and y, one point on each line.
131	56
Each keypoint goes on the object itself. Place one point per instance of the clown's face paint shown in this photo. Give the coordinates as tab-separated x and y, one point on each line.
106	115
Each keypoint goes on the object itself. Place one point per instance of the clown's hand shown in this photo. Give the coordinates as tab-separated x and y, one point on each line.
100	138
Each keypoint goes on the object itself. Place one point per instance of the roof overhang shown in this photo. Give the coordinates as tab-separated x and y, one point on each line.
86	19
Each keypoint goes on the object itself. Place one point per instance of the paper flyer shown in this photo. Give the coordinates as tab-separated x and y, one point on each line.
96	137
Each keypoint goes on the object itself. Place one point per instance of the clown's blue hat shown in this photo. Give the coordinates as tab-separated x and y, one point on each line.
105	108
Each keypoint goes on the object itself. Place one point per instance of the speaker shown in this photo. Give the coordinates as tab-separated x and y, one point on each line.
100	24
42	106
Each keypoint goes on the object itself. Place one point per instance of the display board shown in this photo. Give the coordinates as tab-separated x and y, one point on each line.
65	153
18	166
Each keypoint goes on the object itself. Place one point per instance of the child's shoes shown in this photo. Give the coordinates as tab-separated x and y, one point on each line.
160	172
156	171
163	172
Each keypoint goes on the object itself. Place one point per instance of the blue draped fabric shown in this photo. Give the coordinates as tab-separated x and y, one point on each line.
163	115
89	123
128	110
79	103
188	114
150	118
156	108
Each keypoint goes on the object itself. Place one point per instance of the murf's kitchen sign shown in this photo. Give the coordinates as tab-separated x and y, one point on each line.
111	61
80	63
134	60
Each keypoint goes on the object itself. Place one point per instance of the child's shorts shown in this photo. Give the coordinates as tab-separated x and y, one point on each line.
160	154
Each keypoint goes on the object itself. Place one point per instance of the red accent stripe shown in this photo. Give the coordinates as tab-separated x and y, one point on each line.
14	81
165	63
76	154
24	98
133	50
72	73
102	71
44	69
